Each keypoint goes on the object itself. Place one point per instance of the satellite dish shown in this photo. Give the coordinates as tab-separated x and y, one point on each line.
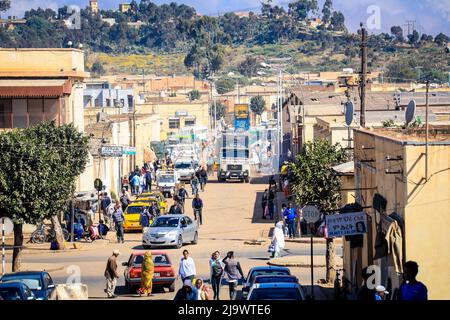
349	113
410	112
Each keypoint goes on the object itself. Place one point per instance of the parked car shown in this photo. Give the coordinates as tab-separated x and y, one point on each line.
133	215
276	291
170	230
15	291
164	272
267	278
265	270
162	203
39	282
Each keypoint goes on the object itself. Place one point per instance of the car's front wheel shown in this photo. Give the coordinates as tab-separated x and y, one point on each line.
172	287
179	242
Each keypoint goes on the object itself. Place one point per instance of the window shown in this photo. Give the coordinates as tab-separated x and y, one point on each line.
130	102
98	102
108	102
5	113
35	111
174	123
189	122
188	220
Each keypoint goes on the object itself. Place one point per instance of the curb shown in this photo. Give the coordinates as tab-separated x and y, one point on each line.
307	240
31	251
297	265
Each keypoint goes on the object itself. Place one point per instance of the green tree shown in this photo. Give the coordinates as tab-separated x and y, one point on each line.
249	67
194	95
441	39
326	11
258	105
413	38
300	9
314	183
397	32
218	109
98	69
225	85
337	22
5	5
39	166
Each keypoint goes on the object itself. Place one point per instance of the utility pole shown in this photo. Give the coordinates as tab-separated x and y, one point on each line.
143	83
426	129
363	81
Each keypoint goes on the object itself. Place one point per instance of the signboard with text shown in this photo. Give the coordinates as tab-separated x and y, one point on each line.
111	151
129	150
346	224
241	117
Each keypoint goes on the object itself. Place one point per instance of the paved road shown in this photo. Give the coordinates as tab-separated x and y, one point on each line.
231	217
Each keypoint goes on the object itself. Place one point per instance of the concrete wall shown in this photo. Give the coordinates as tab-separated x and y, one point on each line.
427	215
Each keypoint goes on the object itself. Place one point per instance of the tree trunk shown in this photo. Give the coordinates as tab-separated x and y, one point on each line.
18	242
58	233
330	261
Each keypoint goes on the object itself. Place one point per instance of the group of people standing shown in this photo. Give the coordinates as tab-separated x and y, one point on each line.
194	288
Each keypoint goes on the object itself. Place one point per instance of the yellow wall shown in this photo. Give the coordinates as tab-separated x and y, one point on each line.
38	61
164	111
427	220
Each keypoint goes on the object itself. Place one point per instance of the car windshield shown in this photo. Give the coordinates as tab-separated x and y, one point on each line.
235	153
276	294
166	178
33	281
275	280
166	222
183	165
158	259
271	272
134	209
10	294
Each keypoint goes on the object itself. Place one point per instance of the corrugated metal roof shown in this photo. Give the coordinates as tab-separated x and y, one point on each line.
36	88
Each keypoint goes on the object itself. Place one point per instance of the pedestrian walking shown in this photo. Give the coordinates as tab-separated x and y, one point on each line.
202	290
272	182
411	289
105	202
118	219
290	215
216	272
197	206
233	272
142	183
111	274
148	180
278	240
210	165
187	292
187	268
147	273
271	203
135	182
182	195
124	199
145	218
194	184
125	183
203	178
176	208
264	202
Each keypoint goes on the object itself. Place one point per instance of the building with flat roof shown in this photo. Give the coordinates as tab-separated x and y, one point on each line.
39	85
404	188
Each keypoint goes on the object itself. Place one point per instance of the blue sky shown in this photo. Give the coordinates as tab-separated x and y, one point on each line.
431	16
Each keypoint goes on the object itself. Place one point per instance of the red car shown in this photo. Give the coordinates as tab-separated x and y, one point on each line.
164	272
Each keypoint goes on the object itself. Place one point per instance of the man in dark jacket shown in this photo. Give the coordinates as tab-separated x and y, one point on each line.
197	205
106	201
176	208
182	195
234	273
148	180
364	293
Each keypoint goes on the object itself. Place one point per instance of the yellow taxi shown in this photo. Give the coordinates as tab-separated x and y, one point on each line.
154	196
133	215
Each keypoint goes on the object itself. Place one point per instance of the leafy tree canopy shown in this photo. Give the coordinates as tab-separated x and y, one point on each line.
258	105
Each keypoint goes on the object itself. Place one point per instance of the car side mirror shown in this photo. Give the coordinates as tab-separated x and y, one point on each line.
125	264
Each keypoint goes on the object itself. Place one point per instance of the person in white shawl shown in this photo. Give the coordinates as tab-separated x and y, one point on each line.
278	239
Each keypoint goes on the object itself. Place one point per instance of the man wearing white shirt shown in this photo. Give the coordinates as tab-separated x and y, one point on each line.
187	267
